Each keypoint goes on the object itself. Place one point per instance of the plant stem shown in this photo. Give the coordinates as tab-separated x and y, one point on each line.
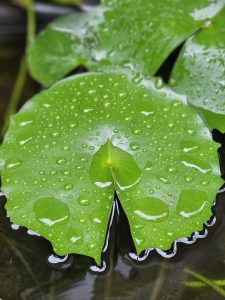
208	282
160	280
198	284
21	77
31	21
16	94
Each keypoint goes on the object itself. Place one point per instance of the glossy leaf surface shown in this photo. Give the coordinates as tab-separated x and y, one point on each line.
199	72
140	34
71	147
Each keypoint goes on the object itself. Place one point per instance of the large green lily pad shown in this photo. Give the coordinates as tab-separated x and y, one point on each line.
199	72
71	147
139	33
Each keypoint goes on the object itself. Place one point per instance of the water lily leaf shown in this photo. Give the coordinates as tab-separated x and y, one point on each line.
71	147
63	45
200	72
104	38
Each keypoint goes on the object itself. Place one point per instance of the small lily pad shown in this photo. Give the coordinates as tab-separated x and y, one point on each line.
71	147
199	72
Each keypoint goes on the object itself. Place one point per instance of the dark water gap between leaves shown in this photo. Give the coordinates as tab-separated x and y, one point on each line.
166	67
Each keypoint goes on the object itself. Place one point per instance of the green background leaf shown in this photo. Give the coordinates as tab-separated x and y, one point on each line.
114	35
199	72
160	158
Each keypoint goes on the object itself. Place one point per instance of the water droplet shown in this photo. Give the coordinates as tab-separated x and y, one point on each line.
196	164
137	131
68	187
159	83
92	245
148	166
188	179
53	172
51	211
126	172
84	201
97	217
61	161
13	163
134	146
188	146
172	169
66	173
164	180
55	134
204	183
151	209
75	236
24	138
66	148
191	203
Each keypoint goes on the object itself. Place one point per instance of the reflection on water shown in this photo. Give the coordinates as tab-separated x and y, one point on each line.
30	270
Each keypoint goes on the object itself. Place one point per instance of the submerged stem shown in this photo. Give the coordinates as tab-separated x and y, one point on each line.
160	280
22	259
198	284
207	281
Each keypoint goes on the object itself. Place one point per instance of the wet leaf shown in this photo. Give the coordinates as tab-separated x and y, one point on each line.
139	33
71	147
200	72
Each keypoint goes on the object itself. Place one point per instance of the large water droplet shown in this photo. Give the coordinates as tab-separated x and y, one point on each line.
51	211
112	163
13	163
151	209
24	138
188	146
191	203
191	162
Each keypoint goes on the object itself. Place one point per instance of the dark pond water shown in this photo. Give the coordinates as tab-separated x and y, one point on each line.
29	269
